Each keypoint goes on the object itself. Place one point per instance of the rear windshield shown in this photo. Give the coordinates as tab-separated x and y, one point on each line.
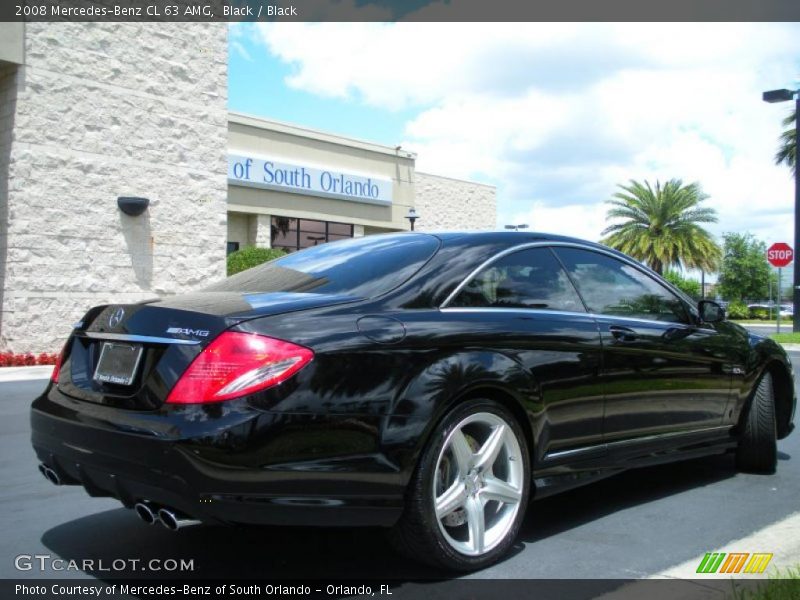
363	267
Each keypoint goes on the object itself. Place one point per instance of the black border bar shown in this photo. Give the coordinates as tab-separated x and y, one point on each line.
401	10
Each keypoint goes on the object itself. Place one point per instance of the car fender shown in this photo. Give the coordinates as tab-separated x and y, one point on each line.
765	354
433	392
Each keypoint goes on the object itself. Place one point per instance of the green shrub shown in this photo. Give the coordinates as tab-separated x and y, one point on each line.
690	287
738	310
250	257
759	313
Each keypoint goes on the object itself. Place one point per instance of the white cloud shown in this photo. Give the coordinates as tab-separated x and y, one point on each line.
557	114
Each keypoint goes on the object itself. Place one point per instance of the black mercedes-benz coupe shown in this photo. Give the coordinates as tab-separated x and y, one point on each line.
428	383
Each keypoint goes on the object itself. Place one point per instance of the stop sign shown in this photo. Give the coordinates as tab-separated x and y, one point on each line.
780	254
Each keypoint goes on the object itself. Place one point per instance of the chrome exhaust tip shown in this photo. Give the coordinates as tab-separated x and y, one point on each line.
173	521
145	512
50	474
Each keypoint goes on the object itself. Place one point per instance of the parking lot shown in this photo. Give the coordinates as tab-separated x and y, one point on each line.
629	526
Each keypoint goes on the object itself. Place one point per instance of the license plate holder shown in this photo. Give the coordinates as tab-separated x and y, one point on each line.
118	363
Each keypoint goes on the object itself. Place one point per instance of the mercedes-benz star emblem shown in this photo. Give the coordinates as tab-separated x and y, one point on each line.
116	317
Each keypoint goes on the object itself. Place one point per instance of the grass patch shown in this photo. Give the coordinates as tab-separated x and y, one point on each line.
786	338
783	585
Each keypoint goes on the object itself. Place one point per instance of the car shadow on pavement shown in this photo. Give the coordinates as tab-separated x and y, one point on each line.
571	509
340	553
233	552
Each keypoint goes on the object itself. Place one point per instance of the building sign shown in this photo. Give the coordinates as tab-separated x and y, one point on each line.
303	179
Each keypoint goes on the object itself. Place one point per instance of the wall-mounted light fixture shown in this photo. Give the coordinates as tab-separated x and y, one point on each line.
132	205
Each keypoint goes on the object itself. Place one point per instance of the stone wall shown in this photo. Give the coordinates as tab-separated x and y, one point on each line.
444	203
8	102
108	110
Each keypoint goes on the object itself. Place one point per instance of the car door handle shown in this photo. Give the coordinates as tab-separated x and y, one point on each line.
623	334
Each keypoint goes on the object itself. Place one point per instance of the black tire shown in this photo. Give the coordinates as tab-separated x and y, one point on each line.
758	450
418	534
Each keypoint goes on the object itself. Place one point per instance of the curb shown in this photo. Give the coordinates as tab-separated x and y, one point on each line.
8	374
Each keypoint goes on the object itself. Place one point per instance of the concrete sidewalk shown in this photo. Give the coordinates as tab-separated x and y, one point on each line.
781	539
8	374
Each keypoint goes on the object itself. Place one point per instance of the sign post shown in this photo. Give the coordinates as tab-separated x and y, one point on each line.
779	299
779	255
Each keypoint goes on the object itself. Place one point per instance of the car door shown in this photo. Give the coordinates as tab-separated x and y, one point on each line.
529	310
662	372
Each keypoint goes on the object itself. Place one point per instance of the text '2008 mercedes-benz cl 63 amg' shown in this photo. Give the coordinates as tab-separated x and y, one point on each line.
431	384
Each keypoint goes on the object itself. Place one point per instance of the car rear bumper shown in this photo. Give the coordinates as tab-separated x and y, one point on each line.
223	464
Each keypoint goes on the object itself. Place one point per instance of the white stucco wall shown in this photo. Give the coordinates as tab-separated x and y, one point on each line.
108	110
444	203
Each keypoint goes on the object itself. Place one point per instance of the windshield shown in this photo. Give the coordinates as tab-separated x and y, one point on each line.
363	267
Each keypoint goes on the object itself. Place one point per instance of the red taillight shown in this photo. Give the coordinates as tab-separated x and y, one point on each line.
237	364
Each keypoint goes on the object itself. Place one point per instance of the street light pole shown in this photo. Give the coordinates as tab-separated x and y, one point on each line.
783	96
796	283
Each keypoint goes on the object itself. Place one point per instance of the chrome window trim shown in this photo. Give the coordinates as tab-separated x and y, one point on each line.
558	244
648	321
485	264
504	309
567	313
127	337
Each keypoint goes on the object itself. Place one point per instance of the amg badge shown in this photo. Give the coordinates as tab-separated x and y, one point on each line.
183	331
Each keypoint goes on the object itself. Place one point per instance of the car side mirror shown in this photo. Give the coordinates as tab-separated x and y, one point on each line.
711	312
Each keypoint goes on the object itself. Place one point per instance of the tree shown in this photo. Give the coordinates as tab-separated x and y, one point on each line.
788	148
661	226
690	287
745	273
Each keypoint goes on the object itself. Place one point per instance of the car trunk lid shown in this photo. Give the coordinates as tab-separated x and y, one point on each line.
130	356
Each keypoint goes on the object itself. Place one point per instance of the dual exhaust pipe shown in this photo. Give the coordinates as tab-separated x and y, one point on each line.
148	512
172	520
50	474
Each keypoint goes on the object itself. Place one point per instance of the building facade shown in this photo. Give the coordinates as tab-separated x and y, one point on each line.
291	187
93	112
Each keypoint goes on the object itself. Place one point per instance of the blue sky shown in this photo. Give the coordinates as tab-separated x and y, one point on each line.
257	86
554	115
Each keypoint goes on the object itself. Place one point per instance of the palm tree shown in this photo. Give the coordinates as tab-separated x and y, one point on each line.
786	153
661	226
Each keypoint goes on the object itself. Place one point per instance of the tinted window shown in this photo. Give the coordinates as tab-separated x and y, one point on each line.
525	279
363	267
295	234
612	287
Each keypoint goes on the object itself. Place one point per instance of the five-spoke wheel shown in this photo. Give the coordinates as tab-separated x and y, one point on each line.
470	491
478	483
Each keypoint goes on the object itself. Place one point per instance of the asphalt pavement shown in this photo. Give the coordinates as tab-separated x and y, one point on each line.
632	525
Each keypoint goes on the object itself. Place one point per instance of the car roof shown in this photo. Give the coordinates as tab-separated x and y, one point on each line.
510	238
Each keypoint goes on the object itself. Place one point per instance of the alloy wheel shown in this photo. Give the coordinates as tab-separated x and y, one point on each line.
478	484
